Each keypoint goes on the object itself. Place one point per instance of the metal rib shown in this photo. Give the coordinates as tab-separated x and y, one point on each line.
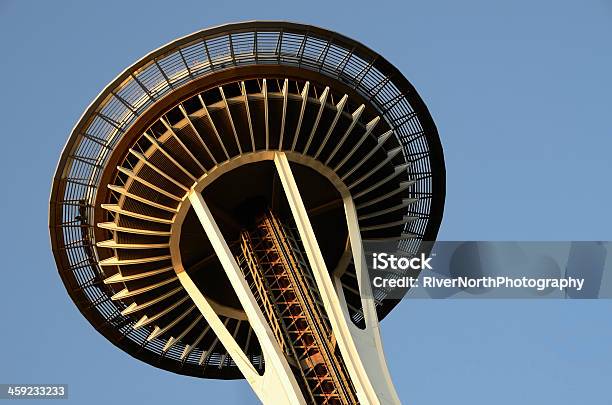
322	101
355	118
369	128
403	236
264	90
303	108
390	155
158	331
123	191
189	348
231	120
115	261
146	320
282	129
403	186
224	355
118	210
406	219
339	109
397	172
170	158
125	293
206	353
152	186
120	278
135	307
111	226
172	340
212	124
182	144
248	114
197	133
405	202
111	244
159	171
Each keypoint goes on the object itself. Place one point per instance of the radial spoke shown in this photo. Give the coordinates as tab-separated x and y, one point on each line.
197	133
169	157
135	307
403	186
125	293
405	202
398	170
284	115
146	319
354	119
152	186
182	144
369	128
339	109
264	90
115	208
322	101
159	331
159	171
172	341
248	114
212	124
301	118
390	155
120	278
123	191
231	120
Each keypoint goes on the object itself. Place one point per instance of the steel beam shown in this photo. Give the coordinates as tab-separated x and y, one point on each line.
359	350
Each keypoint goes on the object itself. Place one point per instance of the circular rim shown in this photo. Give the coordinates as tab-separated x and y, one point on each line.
220	170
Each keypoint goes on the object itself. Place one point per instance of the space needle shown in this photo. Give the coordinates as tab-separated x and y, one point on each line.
209	210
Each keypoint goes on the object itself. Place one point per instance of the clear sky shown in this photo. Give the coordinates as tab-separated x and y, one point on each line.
521	92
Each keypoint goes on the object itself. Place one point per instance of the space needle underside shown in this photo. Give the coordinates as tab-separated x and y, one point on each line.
209	210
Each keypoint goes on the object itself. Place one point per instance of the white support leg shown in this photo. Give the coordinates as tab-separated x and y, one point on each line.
368	340
277	385
360	348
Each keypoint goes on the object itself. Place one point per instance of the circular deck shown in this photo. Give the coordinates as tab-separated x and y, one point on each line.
221	97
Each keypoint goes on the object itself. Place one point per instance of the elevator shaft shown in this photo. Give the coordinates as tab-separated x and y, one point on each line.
272	262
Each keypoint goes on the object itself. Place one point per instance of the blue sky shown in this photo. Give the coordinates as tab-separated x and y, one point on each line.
521	94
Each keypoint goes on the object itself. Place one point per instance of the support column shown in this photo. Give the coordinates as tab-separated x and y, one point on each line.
368	340
361	349
277	385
